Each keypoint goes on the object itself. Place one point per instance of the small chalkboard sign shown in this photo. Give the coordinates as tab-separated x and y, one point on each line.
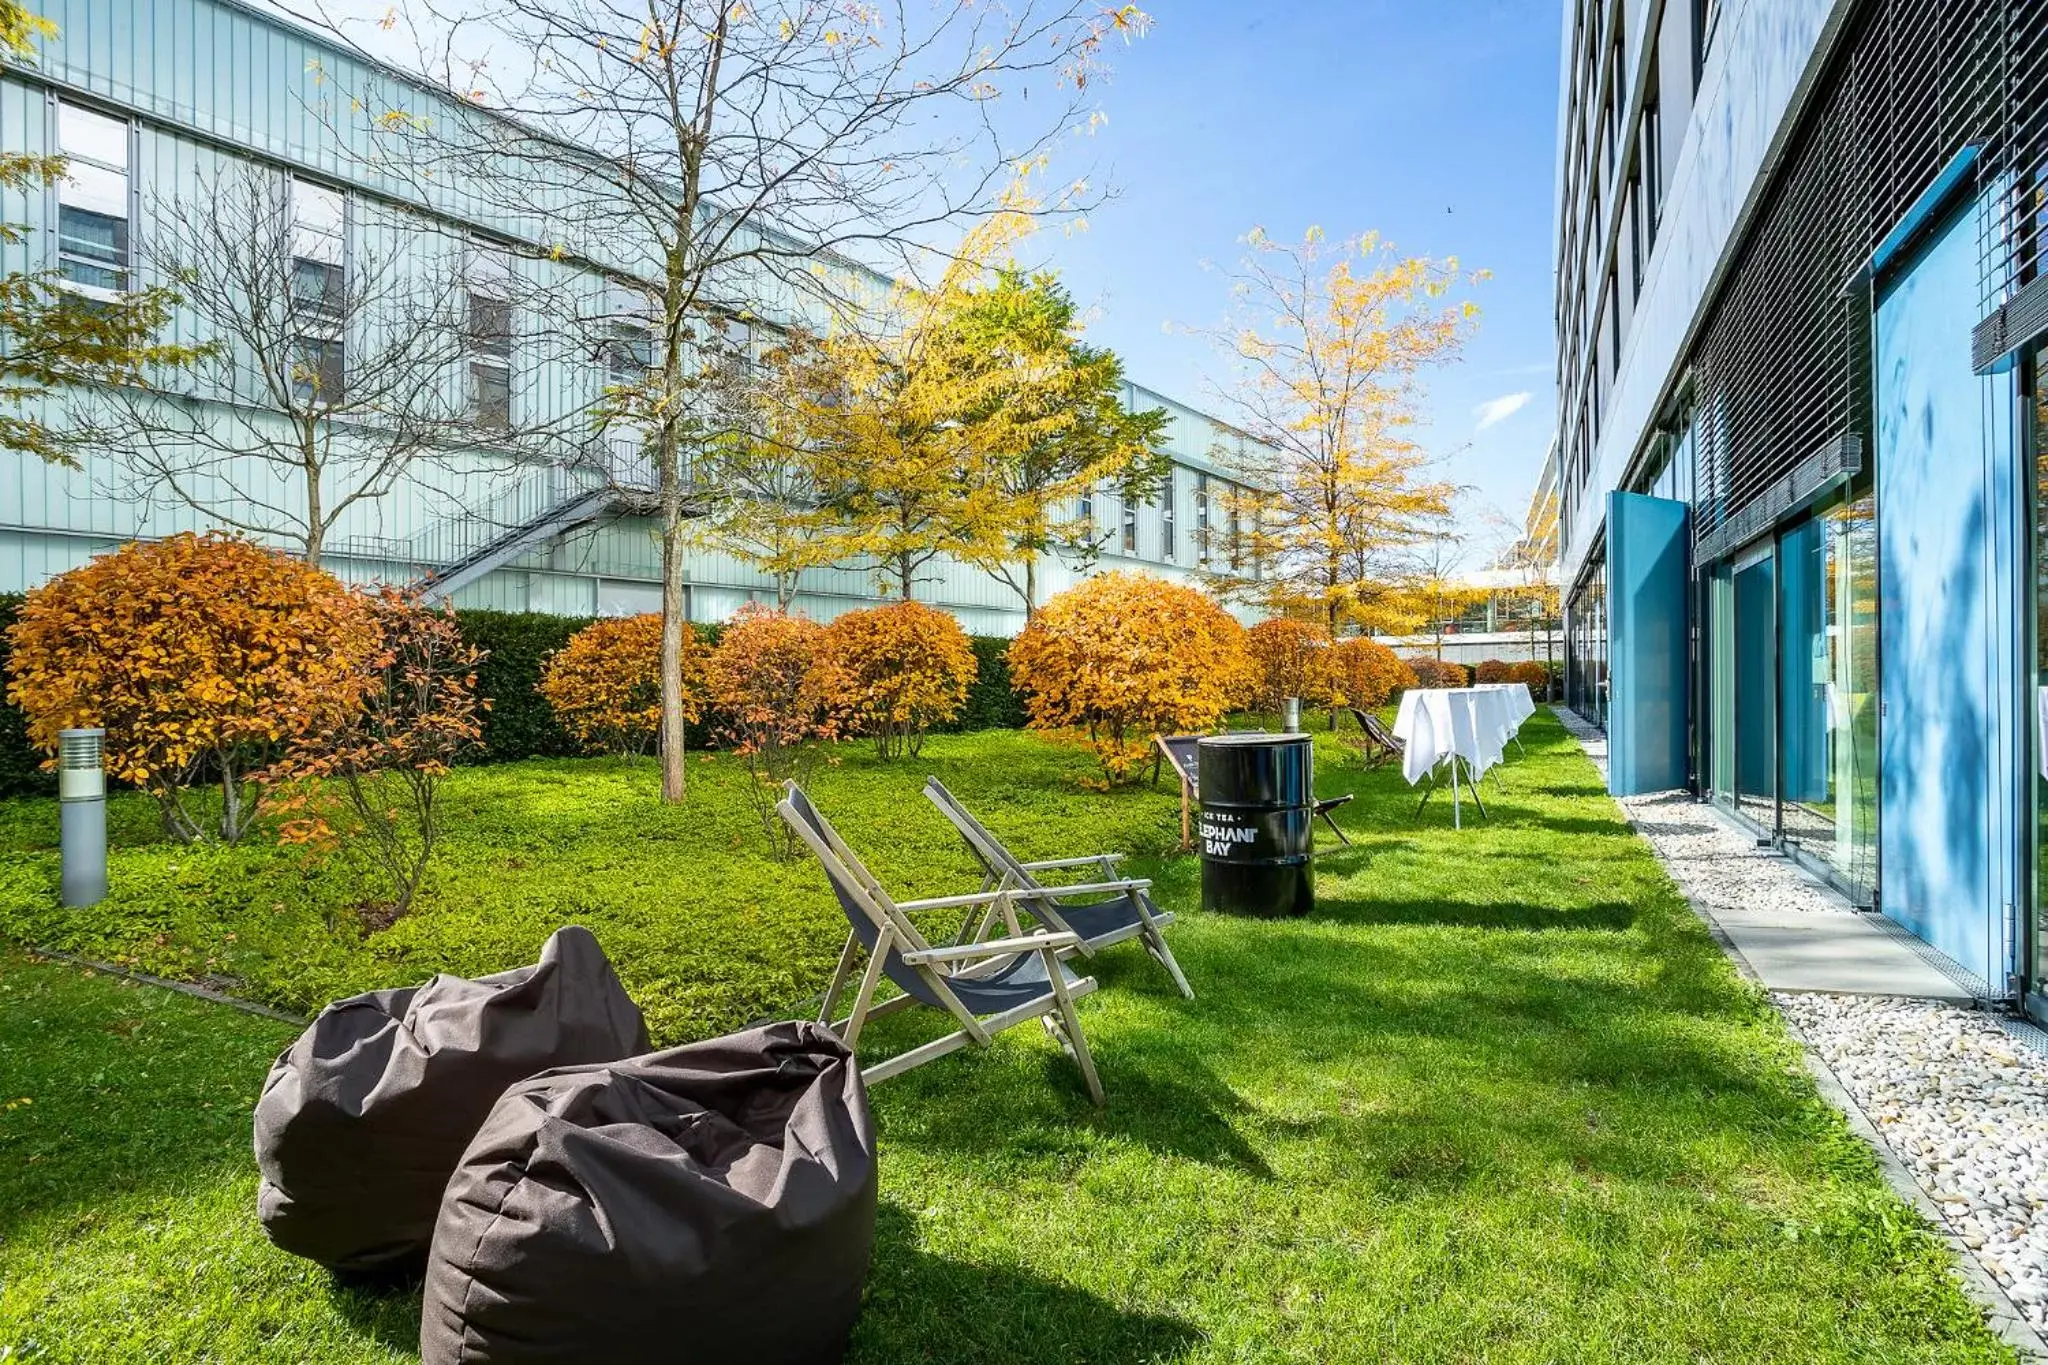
1182	754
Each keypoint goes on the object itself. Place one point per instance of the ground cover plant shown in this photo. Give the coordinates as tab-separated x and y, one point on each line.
1500	1099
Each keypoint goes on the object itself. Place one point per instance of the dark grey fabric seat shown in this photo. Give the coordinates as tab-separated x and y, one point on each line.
364	1117
986	986
714	1202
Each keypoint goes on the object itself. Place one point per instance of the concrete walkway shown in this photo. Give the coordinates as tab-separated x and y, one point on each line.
1793	950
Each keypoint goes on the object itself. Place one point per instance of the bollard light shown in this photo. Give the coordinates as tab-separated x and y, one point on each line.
82	810
1290	711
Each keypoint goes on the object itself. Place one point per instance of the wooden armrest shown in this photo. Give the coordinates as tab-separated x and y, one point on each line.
995	947
1052	893
956	902
1049	864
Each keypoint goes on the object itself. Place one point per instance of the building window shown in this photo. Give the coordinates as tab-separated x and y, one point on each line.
1635	238
1236	533
93	199
319	228
319	370
1706	17
629	336
1168	495
1130	525
489	277
1650	148
1202	519
1086	512
319	292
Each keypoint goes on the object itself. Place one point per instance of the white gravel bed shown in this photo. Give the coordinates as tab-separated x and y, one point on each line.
1966	1109
1718	866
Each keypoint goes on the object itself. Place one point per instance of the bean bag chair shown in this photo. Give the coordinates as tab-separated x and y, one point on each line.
715	1202
365	1116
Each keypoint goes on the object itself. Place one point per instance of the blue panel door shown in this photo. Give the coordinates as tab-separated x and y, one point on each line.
1651	663
1948	845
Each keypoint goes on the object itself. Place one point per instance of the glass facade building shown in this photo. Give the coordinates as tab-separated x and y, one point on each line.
1801	296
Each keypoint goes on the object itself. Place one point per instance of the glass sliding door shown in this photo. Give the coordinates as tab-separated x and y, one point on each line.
1827	722
1756	686
1720	684
2035	457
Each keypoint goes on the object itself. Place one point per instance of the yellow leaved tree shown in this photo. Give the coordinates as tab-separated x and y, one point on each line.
1330	341
1126	656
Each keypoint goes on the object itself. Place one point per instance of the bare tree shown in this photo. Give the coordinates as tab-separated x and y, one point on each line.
336	367
740	159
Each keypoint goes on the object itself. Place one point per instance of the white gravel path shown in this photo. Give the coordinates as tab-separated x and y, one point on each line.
1962	1104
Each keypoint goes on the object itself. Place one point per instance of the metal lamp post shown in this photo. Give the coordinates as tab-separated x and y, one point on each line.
82	805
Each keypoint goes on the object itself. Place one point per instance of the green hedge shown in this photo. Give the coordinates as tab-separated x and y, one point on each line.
520	723
21	772
993	702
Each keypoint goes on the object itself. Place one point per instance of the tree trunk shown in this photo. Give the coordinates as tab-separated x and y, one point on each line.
1030	589
674	779
903	576
316	513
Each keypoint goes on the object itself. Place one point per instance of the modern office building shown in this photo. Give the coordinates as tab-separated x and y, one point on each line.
149	99
1804	526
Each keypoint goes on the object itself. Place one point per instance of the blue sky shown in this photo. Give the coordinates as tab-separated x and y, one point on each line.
1431	121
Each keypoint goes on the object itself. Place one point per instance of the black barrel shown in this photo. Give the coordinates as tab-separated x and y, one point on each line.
1257	802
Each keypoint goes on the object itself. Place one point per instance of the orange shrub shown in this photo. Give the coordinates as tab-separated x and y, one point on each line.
605	683
1289	659
1365	673
775	695
1431	672
367	777
1127	656
905	667
199	655
1490	671
1535	674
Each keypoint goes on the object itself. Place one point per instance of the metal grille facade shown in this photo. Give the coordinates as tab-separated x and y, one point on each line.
1781	368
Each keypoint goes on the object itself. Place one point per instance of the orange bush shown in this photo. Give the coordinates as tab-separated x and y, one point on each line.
199	655
905	668
1432	672
1490	671
775	695
1127	656
1536	675
1366	674
605	683
368	776
1289	659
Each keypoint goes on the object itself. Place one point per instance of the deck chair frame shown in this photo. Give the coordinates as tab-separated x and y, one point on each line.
894	930
1003	870
1190	791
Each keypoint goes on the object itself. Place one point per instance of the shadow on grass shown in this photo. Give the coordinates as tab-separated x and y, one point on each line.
925	1307
1612	915
384	1308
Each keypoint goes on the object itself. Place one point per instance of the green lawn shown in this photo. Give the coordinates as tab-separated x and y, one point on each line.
1500	1100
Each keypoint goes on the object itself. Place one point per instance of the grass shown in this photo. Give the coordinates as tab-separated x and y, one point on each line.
1500	1100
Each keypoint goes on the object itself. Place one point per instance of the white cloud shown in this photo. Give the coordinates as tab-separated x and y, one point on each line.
1494	411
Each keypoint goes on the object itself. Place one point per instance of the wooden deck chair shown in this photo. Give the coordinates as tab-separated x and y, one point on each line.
986	987
1381	744
1180	753
1184	754
1111	911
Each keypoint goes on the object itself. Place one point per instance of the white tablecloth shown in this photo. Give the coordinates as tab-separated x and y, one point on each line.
1475	723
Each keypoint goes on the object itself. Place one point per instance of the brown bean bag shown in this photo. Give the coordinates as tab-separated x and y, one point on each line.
365	1116
714	1202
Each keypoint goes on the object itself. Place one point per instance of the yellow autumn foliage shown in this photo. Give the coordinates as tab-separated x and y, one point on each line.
605	683
904	668
200	655
1126	656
